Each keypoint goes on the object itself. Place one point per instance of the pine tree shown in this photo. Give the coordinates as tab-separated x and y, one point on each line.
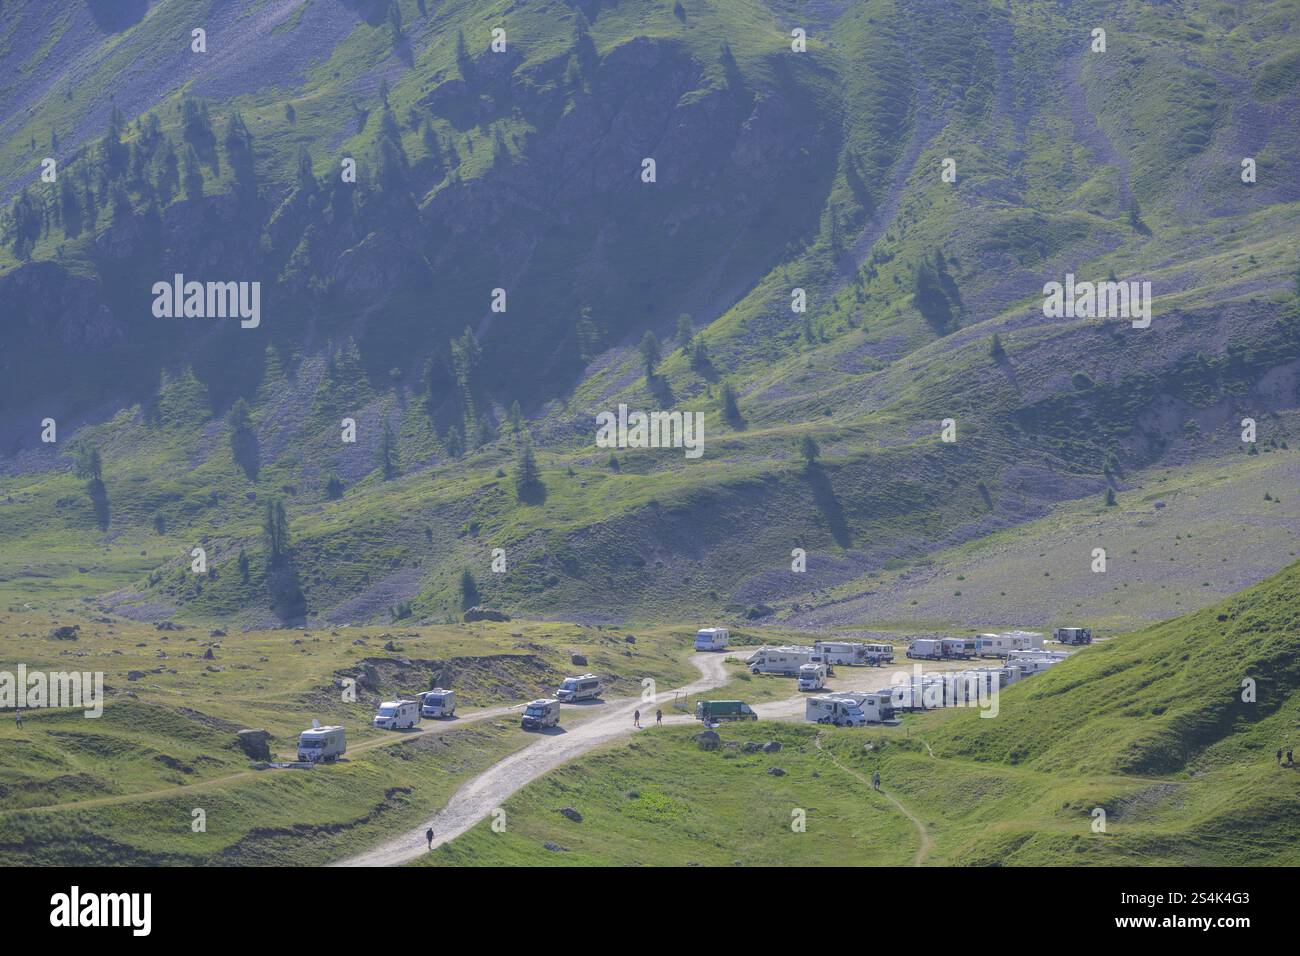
809	450
650	354
730	406
387	454
528	477
685	332
469	595
275	533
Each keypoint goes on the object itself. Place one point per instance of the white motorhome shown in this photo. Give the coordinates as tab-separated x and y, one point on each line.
840	711
812	677
1034	665
842	652
1073	635
916	693
877	706
438	703
541	713
999	645
321	743
1043	655
397	715
781	660
958	648
586	687
926	649
712	639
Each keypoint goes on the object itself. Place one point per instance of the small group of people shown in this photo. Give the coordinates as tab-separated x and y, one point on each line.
636	717
1290	761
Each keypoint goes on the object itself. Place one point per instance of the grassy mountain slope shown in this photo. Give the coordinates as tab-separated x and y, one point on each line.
776	171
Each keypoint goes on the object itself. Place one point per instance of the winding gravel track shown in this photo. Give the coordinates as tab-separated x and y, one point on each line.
478	797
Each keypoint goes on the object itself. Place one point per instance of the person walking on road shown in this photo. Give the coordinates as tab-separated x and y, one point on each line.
428	835
659	716
636	718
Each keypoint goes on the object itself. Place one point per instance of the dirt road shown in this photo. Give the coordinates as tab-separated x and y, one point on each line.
478	797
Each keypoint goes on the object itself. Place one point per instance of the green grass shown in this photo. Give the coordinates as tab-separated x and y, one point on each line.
660	800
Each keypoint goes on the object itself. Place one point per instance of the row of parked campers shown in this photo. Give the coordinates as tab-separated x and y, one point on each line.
791	659
404	714
545	711
943	648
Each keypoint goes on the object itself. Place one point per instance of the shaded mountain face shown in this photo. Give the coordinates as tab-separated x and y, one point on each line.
843	233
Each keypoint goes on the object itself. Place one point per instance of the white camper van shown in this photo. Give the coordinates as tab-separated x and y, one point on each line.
586	687
880	653
541	713
926	649
812	676
781	660
712	639
877	706
321	743
840	711
397	715
438	703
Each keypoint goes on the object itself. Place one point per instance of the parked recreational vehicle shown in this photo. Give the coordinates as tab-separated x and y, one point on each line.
781	660
877	706
843	652
713	711
926	649
586	687
880	653
812	676
541	713
438	703
998	645
1034	665
1073	635
840	711
321	743
1045	655
397	714
712	639
958	648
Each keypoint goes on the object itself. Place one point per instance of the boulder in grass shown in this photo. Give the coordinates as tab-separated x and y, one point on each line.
578	660
256	744
708	740
67	632
571	814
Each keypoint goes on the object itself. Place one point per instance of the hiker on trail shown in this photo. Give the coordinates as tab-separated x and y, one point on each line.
18	718
659	716
636	718
1279	756
1290	761
428	835
875	780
